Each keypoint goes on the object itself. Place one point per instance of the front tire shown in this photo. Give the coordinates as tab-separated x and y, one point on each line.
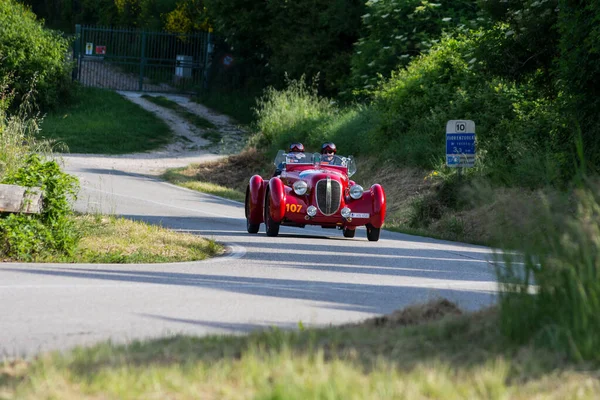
252	228
349	233
373	233
271	226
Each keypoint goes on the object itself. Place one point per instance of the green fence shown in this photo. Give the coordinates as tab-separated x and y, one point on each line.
131	59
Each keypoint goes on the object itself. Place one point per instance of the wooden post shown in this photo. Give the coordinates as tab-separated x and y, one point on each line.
19	199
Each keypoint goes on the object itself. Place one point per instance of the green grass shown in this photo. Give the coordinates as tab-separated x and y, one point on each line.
103	122
177	176
379	359
192	118
238	105
108	239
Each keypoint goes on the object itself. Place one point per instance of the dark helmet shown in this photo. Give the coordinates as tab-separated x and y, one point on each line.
328	147
296	148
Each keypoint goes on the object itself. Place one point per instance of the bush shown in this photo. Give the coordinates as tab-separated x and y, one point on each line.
397	31
32	55
518	129
296	114
24	237
579	70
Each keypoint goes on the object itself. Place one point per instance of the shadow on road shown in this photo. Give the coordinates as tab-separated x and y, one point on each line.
340	295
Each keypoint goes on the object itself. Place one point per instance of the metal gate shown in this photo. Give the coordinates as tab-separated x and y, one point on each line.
131	59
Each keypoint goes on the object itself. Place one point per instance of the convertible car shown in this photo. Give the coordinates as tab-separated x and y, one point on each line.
314	189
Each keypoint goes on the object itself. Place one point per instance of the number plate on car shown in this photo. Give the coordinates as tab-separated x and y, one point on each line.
359	215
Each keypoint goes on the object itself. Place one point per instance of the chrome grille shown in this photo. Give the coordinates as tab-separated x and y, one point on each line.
328	195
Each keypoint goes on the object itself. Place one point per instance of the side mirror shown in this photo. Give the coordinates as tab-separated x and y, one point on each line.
351	164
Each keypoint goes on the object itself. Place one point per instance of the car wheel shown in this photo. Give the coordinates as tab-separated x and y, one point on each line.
349	233
252	228
373	233
271	226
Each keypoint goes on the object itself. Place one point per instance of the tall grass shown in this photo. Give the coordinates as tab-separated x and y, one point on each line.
17	133
563	261
297	113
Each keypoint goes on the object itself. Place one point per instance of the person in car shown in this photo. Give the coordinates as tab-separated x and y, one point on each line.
295	152
328	151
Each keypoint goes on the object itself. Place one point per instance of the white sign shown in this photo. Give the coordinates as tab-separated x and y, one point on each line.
89	49
460	143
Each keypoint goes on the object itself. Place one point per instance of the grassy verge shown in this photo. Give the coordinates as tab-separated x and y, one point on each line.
226	178
192	118
103	122
419	352
107	239
239	106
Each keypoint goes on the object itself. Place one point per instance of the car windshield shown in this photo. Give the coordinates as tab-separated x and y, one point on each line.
282	159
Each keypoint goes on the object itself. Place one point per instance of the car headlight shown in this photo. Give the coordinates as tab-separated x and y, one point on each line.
300	187
311	211
346	212
356	192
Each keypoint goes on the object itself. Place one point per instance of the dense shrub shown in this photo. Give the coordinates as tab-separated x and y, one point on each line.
579	70
31	54
528	42
396	31
516	126
25	237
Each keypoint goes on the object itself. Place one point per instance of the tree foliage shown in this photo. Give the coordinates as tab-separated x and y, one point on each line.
32	55
396	31
579	69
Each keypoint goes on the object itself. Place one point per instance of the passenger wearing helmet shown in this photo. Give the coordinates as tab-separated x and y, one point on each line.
296	148
295	152
328	151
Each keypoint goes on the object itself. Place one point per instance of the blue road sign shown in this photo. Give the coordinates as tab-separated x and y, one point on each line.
460	143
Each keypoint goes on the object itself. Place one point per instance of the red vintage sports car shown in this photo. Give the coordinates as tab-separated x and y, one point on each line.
314	189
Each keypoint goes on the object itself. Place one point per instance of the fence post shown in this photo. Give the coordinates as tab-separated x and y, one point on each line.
142	61
206	62
76	53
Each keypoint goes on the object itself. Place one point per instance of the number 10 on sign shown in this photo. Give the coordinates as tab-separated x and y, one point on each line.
460	143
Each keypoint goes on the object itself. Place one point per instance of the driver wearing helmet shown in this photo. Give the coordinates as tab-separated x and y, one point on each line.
328	151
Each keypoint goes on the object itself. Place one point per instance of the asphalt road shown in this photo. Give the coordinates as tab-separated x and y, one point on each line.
311	275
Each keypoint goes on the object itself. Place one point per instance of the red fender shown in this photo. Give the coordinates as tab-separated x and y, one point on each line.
379	205
255	199
277	199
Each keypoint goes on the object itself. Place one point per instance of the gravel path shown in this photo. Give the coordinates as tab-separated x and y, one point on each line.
188	148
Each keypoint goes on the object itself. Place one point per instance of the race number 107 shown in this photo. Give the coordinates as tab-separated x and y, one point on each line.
295	208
